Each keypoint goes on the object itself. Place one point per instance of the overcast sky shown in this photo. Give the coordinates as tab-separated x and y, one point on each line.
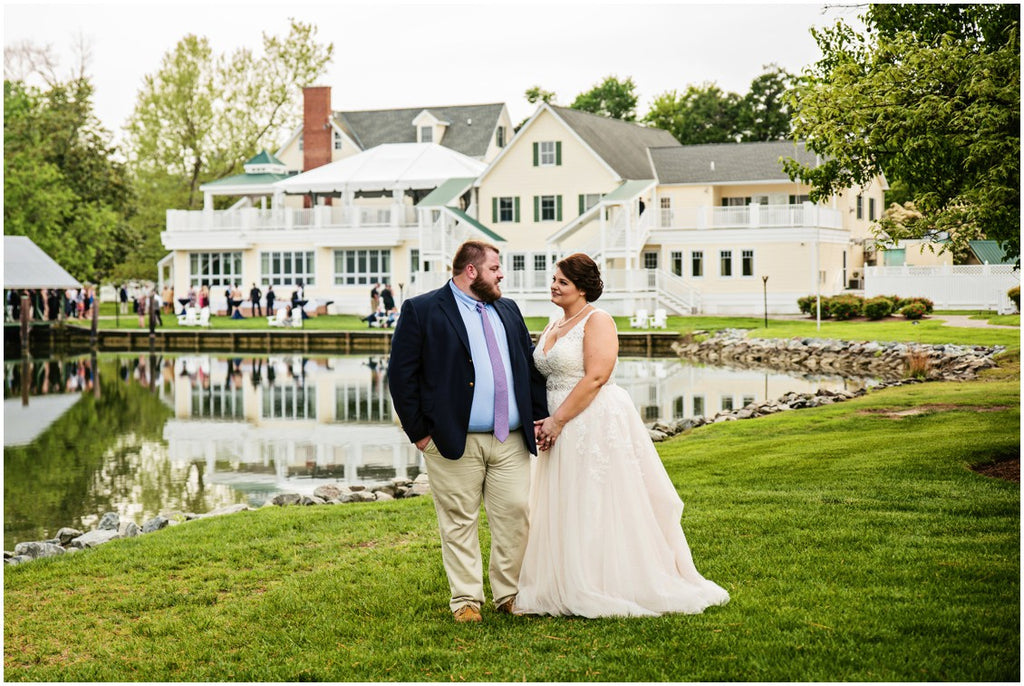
424	54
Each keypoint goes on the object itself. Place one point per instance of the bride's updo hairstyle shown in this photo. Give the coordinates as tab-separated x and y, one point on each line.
584	274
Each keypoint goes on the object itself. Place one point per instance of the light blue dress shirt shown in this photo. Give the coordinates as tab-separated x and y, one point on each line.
481	414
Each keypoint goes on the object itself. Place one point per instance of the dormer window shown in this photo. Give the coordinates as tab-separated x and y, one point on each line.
426	134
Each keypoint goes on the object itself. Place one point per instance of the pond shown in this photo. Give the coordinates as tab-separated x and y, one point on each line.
142	435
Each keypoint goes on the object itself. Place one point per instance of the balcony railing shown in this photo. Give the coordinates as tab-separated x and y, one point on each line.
751	216
289	218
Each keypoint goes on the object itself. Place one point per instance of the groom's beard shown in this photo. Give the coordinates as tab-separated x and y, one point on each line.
483	290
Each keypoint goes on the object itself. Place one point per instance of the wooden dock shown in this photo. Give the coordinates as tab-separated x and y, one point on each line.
71	339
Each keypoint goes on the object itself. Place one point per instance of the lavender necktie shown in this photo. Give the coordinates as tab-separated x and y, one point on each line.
500	383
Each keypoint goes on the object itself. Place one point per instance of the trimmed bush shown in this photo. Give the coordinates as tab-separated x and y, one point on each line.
928	304
1014	294
878	307
843	307
914	310
809	307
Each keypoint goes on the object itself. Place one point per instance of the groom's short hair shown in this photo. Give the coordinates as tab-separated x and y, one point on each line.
471	253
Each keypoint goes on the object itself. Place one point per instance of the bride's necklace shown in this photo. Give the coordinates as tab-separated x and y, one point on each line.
565	321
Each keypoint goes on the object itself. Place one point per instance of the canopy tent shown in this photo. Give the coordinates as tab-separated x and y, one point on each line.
27	266
392	166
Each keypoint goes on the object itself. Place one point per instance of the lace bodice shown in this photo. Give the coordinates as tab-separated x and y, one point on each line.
563	365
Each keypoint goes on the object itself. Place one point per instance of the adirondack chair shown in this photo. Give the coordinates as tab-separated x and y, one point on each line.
204	317
280	318
297	317
660	319
189	318
639	320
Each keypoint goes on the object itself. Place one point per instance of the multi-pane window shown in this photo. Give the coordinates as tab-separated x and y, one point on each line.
426	134
337	140
666	211
747	400
725	259
361	403
871	209
748	262
289	402
414	260
799	199
860	207
215	268
540	263
735	202
726	403
588	200
219	401
548	156
506	209
364	266
499	137
518	262
287	267
698	406
677	407
697	263
548	210
650	260
677	262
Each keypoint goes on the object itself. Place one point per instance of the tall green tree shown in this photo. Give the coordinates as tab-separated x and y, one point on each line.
928	95
63	184
702	114
764	112
201	115
610	98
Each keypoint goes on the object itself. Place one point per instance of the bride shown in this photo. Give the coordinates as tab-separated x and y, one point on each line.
605	538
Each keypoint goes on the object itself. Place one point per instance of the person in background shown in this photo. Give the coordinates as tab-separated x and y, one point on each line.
254	297
270	300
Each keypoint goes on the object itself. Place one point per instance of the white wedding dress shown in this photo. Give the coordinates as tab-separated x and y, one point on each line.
605	538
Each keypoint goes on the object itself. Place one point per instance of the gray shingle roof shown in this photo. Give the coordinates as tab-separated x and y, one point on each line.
622	145
370	128
728	162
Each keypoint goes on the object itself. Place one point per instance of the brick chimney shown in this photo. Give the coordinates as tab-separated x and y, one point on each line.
316	127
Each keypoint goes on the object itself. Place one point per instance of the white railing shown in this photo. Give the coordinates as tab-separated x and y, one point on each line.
287	218
753	216
961	287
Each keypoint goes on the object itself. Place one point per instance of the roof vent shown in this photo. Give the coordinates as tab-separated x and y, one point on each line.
469	121
712	165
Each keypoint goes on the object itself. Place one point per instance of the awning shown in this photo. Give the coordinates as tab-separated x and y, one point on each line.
393	166
463	217
446	193
27	266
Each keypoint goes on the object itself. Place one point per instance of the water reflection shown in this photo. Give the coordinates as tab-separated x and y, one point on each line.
146	434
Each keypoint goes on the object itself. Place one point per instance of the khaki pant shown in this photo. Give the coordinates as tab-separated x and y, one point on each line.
499	474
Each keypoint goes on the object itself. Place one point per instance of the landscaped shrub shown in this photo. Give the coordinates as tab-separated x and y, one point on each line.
878	307
1014	294
928	304
843	307
897	302
809	306
914	310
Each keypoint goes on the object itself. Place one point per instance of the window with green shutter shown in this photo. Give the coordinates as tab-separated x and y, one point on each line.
547	153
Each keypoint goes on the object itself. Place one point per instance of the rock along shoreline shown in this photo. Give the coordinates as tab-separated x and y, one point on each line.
896	364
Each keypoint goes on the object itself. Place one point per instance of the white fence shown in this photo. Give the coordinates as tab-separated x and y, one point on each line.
963	287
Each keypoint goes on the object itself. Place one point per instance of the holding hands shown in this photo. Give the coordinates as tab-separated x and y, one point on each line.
546	431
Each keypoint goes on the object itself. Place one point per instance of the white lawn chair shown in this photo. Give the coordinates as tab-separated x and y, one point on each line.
280	318
204	317
660	319
640	320
189	318
297	317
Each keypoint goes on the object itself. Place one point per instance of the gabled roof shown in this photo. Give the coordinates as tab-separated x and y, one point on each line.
27	266
469	131
728	162
989	252
622	145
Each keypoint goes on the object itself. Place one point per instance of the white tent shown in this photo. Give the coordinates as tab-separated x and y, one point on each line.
27	266
386	167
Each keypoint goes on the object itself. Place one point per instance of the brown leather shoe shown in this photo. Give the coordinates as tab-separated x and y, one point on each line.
507	607
467	613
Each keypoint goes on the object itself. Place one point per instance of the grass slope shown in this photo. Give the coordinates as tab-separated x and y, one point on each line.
855	542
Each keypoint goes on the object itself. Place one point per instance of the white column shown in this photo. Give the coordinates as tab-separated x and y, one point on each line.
398	194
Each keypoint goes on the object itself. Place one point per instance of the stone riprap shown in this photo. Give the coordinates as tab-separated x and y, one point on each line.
112	527
890	362
881	360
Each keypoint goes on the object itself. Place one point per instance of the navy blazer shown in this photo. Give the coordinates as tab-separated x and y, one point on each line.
431	375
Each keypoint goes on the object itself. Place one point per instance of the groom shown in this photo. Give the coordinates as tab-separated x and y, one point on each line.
464	386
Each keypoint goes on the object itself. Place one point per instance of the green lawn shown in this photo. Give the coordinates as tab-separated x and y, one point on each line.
855	542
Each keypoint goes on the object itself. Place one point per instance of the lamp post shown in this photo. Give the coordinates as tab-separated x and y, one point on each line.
764	280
